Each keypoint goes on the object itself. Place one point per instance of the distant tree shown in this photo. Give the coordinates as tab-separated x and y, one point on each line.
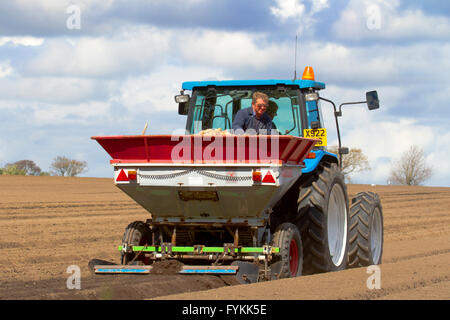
44	173
411	169
29	167
13	170
354	161
62	166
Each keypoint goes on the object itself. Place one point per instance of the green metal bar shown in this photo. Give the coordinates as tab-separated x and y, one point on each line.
204	249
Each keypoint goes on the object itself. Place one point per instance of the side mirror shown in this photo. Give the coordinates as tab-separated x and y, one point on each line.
343	150
183	104
372	100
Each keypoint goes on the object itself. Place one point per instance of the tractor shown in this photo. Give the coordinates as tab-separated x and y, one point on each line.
257	206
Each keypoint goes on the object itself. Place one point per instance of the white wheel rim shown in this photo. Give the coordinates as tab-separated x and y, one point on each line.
376	236
337	224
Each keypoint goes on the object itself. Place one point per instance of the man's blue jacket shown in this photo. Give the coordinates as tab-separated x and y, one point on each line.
245	119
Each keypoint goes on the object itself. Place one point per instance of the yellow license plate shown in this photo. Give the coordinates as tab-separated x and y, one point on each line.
320	133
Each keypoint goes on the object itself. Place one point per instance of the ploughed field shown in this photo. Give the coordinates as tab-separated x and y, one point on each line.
50	223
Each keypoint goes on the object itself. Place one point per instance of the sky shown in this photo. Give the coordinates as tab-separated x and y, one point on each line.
74	69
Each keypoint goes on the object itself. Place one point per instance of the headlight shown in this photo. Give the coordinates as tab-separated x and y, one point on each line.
182	98
312	96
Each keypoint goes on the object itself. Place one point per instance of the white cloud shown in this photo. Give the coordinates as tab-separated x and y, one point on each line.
438	157
378	64
319	5
382	141
138	51
51	90
231	50
296	9
434	144
155	92
68	114
5	69
47	5
286	9
381	19
135	50
4	158
22	41
384	137
59	7
390	97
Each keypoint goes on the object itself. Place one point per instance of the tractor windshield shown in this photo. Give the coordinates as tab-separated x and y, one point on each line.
214	108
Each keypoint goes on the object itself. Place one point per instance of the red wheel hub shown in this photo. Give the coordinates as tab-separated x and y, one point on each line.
293	257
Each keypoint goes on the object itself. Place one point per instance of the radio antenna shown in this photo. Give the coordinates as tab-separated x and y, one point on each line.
295	59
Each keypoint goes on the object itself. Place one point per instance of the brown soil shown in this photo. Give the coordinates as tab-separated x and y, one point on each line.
50	223
166	267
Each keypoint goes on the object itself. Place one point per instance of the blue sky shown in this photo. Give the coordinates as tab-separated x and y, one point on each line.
60	86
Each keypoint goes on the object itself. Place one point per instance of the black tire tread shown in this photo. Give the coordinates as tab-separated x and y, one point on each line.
311	219
361	211
282	239
136	233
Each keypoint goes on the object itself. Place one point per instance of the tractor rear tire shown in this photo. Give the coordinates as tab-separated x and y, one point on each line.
287	238
323	219
366	230
136	233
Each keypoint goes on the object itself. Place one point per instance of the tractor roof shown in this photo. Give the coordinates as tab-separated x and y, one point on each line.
303	84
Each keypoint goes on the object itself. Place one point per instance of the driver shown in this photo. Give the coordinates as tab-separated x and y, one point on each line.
254	118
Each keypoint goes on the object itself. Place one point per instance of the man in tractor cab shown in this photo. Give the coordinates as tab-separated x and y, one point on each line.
255	117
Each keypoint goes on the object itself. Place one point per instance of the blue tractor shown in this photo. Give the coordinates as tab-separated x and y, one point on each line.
257	217
313	224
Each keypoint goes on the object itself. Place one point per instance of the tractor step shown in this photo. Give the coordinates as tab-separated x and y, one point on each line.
97	266
209	270
105	267
122	269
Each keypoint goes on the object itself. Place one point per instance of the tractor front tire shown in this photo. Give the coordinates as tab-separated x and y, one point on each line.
287	238
323	219
136	233
366	230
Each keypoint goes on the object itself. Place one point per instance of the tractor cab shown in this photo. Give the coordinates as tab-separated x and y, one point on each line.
293	107
214	104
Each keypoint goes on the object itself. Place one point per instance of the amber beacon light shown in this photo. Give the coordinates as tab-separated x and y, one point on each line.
308	74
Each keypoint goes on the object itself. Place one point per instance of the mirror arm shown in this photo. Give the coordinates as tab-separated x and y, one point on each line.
337	127
348	103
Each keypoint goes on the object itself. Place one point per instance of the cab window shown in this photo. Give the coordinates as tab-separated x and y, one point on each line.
216	108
